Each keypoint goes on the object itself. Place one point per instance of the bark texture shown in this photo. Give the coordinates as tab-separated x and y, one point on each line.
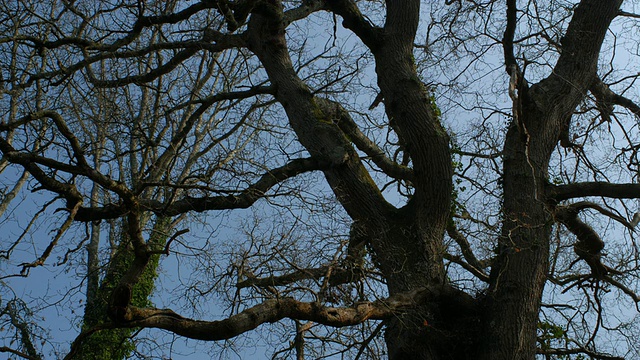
425	316
541	112
407	243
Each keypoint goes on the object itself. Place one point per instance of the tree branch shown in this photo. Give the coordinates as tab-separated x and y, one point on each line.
472	264
589	245
18	353
242	200
272	311
606	98
591	354
338	276
356	22
68	191
616	191
351	129
507	39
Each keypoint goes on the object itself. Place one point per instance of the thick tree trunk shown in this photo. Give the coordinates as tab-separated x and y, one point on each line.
518	276
416	260
407	243
541	113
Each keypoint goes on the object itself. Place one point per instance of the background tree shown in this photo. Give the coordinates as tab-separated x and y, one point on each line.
419	181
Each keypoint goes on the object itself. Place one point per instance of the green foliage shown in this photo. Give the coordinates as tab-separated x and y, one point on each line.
116	344
434	107
456	164
551	336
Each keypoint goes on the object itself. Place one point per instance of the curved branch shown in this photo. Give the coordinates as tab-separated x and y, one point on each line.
589	245
274	310
68	191
338	276
474	271
351	129
143	78
313	120
606	99
356	22
242	200
141	23
222	42
302	11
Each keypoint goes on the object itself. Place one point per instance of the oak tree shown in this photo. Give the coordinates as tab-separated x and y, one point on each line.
401	179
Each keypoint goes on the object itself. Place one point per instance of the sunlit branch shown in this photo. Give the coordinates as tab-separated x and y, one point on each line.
11	194
272	311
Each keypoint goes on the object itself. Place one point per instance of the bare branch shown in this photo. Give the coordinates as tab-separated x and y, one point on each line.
507	40
590	353
606	98
65	226
274	310
356	22
628	14
605	189
351	129
589	245
242	200
465	265
337	276
472	264
18	353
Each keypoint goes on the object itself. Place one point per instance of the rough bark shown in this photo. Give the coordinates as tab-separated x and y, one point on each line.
407	243
540	113
425	316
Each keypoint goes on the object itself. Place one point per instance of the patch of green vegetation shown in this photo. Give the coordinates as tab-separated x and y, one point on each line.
551	336
117	344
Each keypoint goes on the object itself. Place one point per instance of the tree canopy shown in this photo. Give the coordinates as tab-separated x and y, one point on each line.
320	179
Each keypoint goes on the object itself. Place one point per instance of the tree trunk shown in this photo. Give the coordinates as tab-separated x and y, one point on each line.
407	243
541	113
115	344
